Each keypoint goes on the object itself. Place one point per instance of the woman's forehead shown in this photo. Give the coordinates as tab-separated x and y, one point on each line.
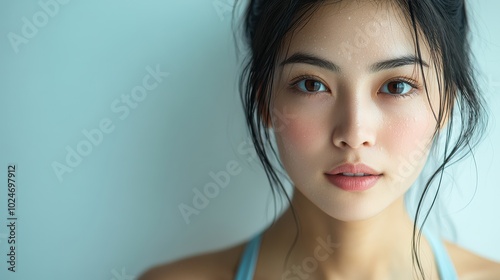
354	32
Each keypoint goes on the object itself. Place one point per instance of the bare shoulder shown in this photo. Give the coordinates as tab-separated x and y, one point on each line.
470	266
220	265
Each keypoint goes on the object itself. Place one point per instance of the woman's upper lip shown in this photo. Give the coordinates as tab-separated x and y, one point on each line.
353	168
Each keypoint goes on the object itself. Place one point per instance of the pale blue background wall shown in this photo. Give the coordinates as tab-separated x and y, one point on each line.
116	213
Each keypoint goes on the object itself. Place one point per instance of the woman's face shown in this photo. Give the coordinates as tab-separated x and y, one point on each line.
350	90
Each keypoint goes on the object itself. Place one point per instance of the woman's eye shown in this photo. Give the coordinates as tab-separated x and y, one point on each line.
396	87
309	85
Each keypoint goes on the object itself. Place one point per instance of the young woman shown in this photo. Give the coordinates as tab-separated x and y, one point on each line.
363	89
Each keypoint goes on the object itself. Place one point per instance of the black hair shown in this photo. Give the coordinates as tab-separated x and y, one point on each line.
445	29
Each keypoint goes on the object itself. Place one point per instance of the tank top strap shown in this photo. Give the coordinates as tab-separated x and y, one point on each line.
443	260
246	268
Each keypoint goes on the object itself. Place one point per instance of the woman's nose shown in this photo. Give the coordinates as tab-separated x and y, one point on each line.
354	122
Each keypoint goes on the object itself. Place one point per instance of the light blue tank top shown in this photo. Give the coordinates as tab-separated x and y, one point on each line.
248	260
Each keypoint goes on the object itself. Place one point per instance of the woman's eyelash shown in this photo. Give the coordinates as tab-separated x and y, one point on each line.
409	81
303	77
295	81
415	87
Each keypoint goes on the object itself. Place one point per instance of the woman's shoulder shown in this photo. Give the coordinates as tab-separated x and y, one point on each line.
471	266
216	265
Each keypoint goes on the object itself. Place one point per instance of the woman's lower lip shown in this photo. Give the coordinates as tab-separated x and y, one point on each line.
353	183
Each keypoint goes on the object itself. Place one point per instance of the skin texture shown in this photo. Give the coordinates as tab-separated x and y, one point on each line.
351	119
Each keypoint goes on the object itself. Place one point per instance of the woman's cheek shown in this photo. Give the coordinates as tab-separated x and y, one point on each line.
299	139
406	140
299	135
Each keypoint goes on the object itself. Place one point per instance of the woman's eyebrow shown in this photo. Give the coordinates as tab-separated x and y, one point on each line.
397	62
301	57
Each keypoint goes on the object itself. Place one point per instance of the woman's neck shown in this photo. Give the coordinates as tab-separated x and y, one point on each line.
327	248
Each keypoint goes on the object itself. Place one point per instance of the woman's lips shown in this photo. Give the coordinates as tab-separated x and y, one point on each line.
353	183
353	177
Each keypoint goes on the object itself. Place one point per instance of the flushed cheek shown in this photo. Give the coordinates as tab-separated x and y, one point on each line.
299	141
405	141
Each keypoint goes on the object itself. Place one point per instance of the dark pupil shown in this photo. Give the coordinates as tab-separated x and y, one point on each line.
396	87
312	85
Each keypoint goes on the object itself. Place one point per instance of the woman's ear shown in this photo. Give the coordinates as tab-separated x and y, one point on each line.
262	108
266	118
